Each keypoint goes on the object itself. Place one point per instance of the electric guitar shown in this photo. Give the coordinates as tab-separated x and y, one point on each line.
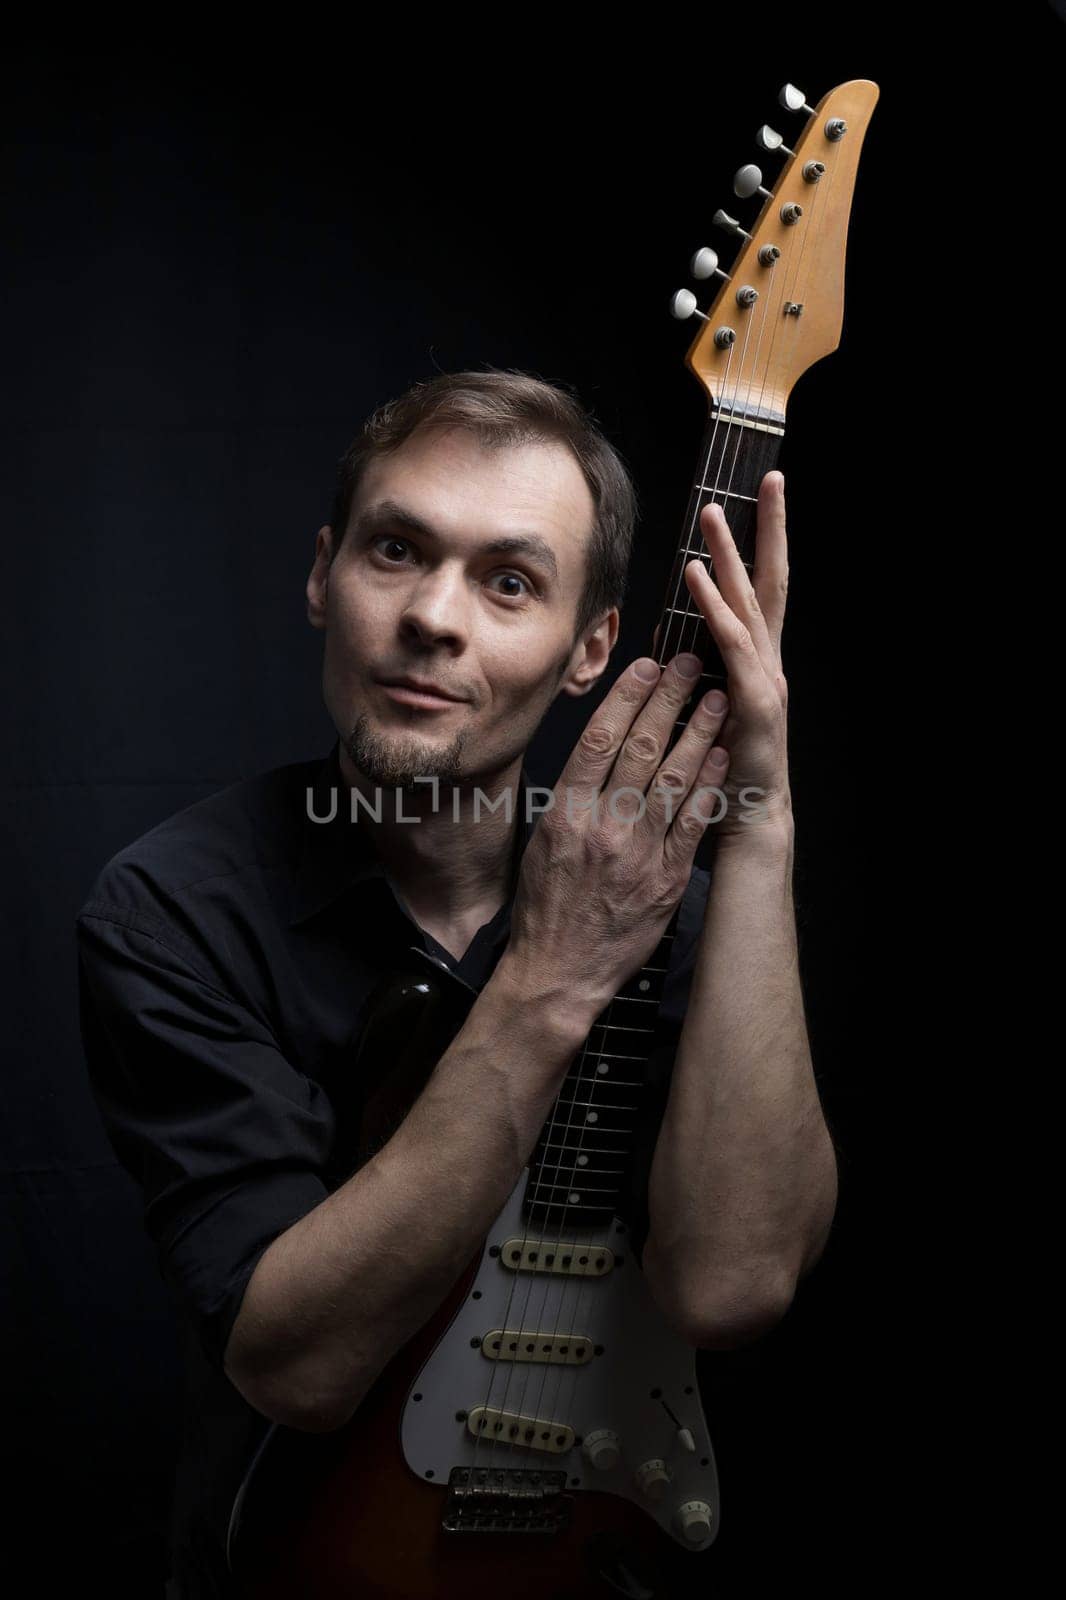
544	1431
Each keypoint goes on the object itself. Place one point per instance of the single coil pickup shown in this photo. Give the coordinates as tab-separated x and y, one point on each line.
565	1260
535	1433
517	1344
506	1500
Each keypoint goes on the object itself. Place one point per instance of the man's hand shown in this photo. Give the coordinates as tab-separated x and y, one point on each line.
746	624
608	863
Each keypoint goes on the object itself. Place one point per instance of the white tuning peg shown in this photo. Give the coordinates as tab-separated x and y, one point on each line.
683	304
794	99
704	264
748	181
767	139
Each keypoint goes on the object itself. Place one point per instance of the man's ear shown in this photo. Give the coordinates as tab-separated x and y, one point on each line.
590	655
318	581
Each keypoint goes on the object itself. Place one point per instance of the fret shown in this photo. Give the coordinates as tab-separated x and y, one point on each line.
585	1189
559	1166
624	1027
635	999
616	1055
600	1105
729	494
617	1084
593	1127
700	552
558	1143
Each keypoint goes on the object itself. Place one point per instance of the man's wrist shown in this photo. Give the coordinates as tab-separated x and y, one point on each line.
769	830
564	1013
769	843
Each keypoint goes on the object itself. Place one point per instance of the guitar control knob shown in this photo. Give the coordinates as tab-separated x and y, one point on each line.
602	1449
652	1478
692	1520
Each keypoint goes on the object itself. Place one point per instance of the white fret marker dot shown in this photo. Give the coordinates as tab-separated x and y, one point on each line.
643	984
575	1199
593	1116
603	1067
582	1161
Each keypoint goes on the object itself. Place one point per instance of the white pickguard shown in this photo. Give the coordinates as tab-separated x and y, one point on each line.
641	1353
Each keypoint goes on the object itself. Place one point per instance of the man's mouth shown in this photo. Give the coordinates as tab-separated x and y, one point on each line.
416	692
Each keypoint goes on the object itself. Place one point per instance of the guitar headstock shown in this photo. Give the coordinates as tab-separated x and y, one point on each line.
783	298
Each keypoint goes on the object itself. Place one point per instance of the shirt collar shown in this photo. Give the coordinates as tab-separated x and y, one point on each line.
333	856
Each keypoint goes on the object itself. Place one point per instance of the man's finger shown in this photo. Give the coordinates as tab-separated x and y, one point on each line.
641	757
746	673
706	802
681	766
771	556
736	587
592	758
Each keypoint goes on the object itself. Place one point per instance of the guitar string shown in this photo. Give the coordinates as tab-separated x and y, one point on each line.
606	1025
528	1207
774	320
821	189
667	649
565	1287
663	653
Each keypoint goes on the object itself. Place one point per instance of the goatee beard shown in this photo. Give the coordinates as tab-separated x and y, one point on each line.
396	761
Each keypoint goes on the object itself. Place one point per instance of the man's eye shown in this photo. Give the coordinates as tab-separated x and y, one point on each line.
388	544
515	577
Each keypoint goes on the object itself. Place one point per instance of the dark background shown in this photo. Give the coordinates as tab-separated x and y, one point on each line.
220	259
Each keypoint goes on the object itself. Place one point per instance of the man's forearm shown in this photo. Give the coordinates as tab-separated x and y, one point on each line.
335	1296
743	1182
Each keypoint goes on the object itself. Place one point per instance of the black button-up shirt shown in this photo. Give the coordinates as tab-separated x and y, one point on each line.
226	963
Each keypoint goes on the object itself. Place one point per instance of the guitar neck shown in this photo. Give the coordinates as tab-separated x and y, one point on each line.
580	1165
736	453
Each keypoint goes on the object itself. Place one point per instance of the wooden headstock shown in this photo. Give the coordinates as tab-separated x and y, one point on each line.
798	312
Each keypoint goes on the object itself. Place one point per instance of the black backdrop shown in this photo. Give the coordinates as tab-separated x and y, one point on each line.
222	259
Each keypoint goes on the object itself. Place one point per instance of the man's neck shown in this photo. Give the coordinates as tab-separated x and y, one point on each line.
452	874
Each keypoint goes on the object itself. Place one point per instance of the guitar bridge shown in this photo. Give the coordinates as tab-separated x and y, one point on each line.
506	1500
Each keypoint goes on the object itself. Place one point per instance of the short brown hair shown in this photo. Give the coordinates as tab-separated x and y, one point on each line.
507	408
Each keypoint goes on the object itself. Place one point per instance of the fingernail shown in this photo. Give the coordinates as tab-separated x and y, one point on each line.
647	671
688	666
715	700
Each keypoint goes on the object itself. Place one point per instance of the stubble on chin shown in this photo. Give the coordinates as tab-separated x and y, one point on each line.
396	761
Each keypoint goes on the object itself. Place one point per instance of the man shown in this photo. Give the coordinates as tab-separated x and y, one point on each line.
472	571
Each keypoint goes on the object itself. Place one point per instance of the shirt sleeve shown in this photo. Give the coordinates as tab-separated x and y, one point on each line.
227	1139
668	1024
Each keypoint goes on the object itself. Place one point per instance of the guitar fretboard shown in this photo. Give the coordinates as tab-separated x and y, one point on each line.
580	1167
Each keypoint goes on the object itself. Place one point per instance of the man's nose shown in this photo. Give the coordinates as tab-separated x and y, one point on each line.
436	607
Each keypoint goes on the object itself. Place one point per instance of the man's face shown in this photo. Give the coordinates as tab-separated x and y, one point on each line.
416	590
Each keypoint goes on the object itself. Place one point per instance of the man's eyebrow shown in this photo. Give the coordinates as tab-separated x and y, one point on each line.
389	513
